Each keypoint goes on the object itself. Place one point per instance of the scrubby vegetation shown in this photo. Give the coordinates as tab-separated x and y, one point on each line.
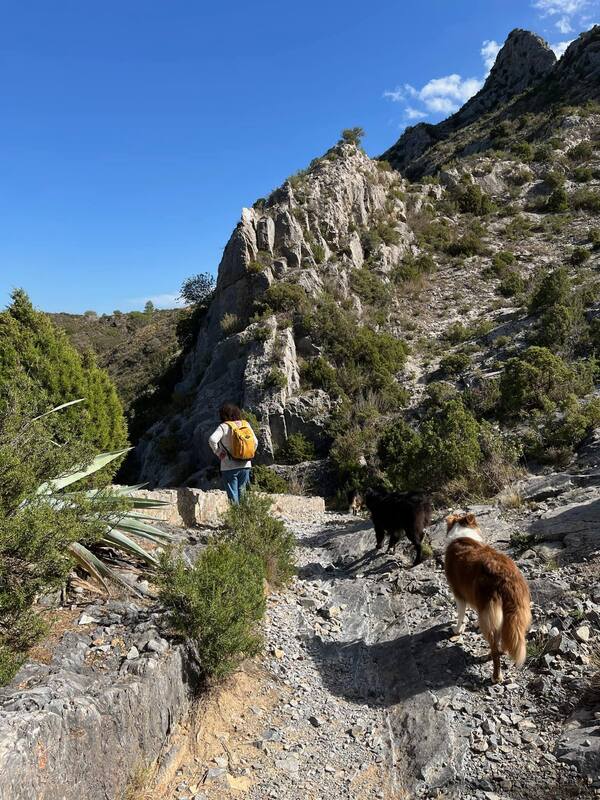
218	601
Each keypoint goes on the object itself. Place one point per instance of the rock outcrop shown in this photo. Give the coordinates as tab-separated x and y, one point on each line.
523	63
308	232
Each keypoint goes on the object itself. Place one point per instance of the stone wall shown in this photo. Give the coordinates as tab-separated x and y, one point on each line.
188	507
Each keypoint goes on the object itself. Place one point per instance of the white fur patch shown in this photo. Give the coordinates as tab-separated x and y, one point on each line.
459	532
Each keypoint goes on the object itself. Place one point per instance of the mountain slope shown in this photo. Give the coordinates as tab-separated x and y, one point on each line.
374	320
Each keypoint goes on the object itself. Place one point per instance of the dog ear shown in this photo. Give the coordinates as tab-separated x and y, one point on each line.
450	520
471	520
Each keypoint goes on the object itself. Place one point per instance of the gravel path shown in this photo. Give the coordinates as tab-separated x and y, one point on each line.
363	694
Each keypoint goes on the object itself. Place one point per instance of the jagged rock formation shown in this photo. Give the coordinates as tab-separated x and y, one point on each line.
525	78
353	230
309	232
523	62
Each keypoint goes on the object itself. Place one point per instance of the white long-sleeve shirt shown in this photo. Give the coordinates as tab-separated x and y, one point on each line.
220	444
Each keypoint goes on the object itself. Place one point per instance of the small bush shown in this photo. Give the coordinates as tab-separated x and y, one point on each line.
553	288
583	174
284	296
260	263
511	284
265	480
471	200
554	179
594	238
369	287
412	268
586	200
276	379
352	135
581	152
579	256
557	202
523	150
539	379
216	603
455	363
319	374
298	449
230	323
469	244
543	153
251	527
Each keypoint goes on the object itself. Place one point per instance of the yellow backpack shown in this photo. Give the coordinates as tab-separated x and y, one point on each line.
242	441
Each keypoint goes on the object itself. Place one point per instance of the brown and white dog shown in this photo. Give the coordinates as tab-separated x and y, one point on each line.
491	583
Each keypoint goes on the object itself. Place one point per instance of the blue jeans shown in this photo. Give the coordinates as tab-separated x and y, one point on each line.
236	481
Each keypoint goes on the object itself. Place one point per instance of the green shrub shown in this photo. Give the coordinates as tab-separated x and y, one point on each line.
511	284
30	342
523	150
318	252
581	152
369	287
579	256
559	326
554	179
543	153
230	323
469	244
538	380
263	260
388	233
471	200
586	200
452	454
583	174
594	238
297	449
251	527
216	603
413	267
276	379
265	480
370	240
554	287
455	363
319	374
352	135
557	202
282	296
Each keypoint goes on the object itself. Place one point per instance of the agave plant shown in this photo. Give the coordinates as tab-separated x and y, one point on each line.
118	509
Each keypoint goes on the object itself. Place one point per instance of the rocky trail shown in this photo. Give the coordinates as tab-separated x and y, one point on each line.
364	694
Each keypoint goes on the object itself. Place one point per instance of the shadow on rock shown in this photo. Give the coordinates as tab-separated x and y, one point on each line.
389	672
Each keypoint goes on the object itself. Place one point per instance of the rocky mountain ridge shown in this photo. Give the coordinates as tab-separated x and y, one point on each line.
352	276
525	77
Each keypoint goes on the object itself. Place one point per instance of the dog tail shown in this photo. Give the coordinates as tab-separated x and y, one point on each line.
516	607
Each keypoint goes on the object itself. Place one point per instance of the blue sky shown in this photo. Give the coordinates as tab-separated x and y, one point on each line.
133	132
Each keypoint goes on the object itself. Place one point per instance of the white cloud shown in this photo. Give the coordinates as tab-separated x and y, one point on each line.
560	47
160	301
414	113
565	10
489	51
445	95
564	25
395	95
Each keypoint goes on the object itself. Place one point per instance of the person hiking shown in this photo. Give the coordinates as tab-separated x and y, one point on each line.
234	443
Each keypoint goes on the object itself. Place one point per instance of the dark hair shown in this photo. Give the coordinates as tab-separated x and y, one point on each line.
229	412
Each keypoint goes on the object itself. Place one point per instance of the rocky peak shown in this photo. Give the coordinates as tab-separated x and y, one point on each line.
522	63
524	60
577	74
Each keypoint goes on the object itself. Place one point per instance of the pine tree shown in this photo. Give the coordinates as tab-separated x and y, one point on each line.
30	342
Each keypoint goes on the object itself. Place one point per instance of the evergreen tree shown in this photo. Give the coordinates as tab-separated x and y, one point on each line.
30	342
